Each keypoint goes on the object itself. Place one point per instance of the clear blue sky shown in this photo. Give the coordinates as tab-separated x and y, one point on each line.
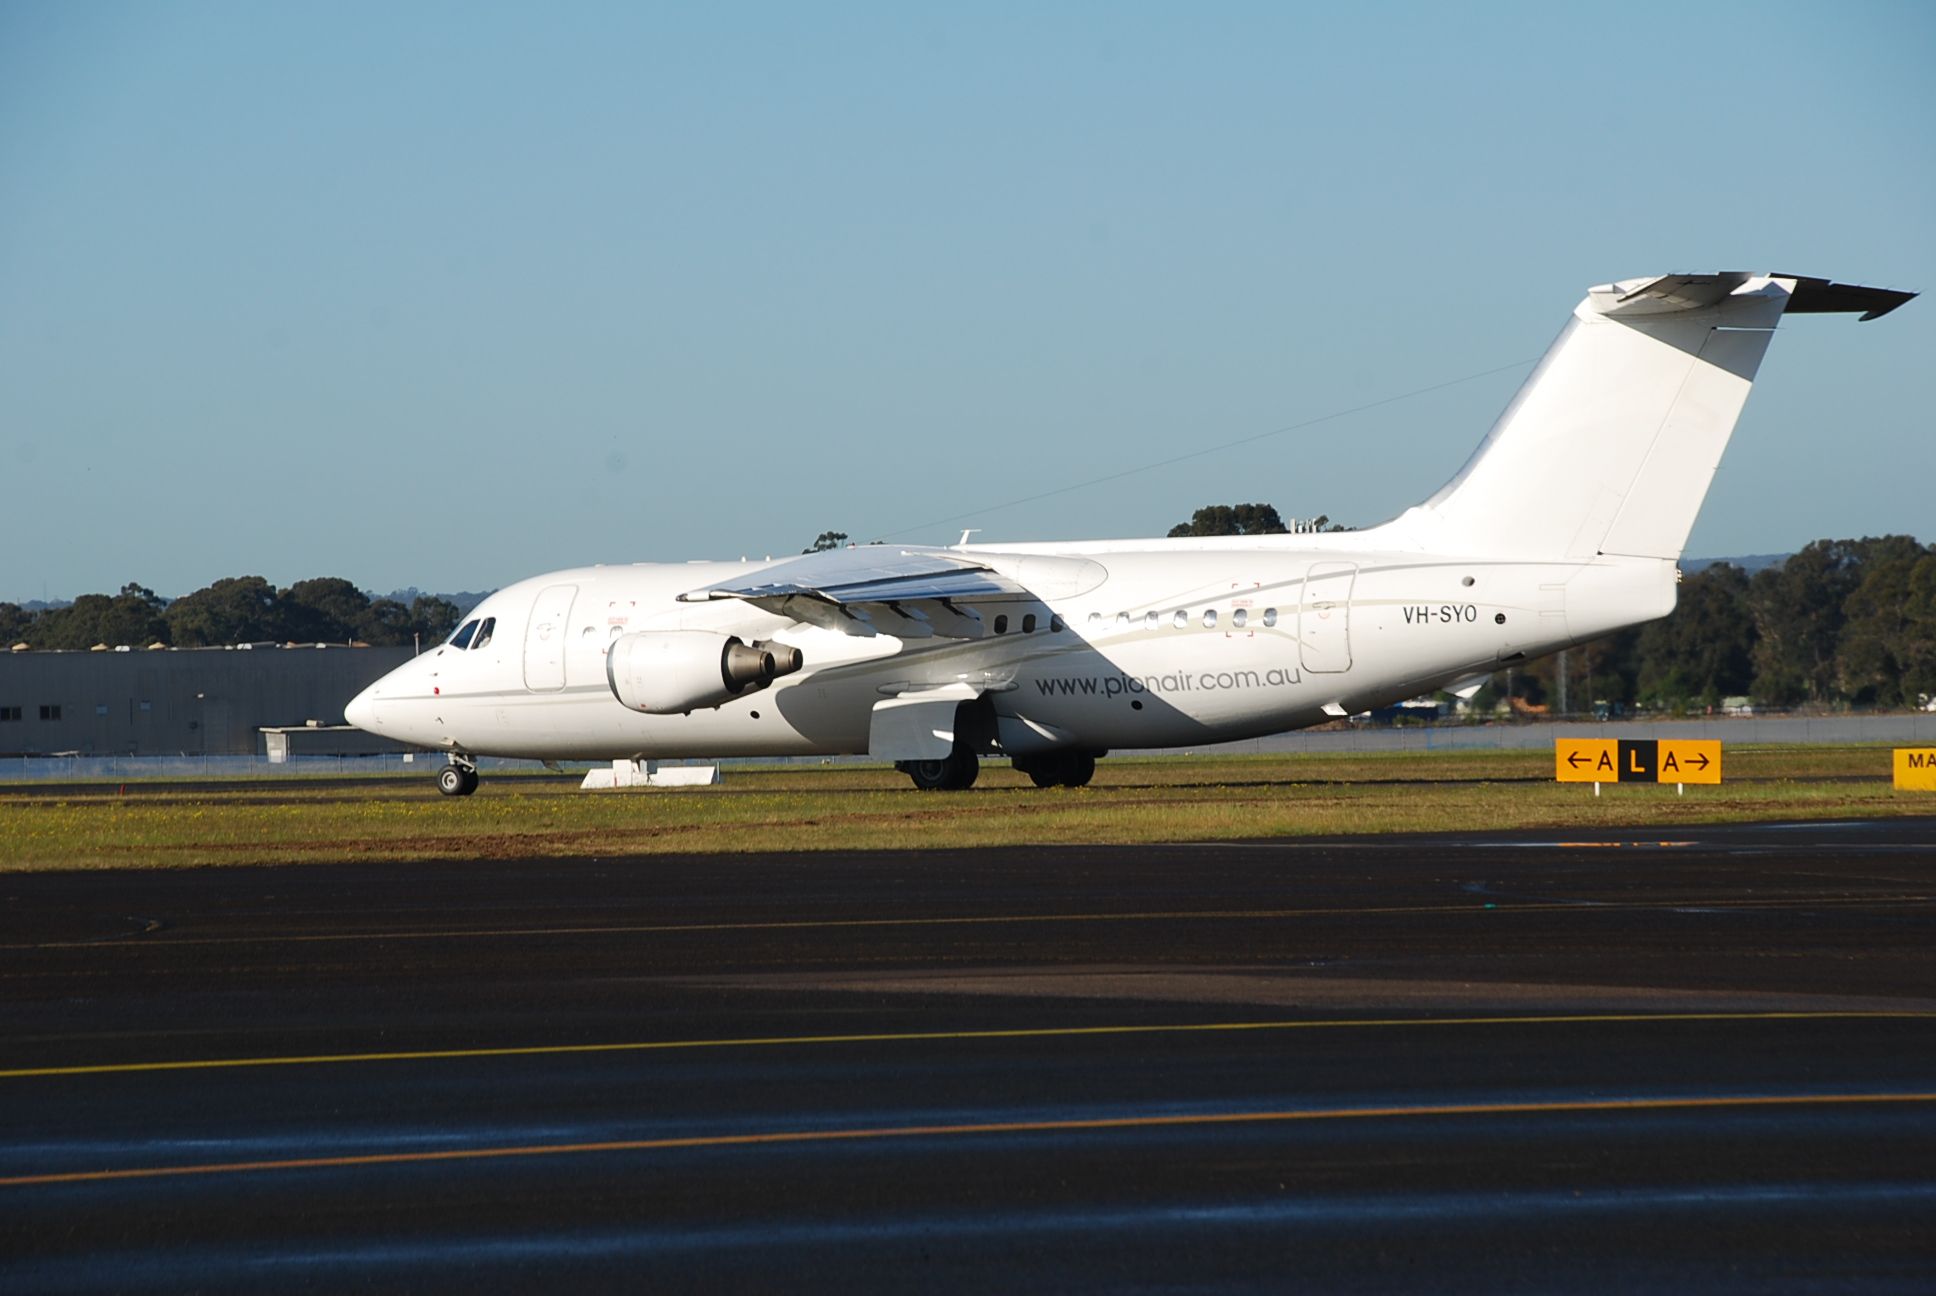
448	295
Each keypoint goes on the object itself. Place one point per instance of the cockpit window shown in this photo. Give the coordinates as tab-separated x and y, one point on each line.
484	632
462	639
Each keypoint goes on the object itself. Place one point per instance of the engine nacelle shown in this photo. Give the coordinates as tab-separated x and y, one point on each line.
665	672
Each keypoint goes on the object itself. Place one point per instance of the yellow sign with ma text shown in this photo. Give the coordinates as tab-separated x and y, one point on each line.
1916	769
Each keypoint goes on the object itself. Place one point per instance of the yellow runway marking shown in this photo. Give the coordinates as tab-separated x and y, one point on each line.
1494	909
987	1128
907	1037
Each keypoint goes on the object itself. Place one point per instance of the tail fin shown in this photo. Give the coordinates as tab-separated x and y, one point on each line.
1610	445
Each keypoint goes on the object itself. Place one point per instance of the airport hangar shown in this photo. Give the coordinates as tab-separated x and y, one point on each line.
188	701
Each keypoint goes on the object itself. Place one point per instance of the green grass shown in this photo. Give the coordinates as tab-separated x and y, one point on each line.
860	807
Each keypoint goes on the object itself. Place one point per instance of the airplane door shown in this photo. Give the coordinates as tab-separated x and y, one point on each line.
1324	617
544	639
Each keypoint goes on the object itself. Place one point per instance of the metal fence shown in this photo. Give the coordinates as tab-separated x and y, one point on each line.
112	769
1916	729
1902	729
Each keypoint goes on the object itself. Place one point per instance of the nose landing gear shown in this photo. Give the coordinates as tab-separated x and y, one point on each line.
459	778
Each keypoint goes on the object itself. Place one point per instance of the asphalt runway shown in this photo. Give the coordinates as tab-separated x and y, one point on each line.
1507	1063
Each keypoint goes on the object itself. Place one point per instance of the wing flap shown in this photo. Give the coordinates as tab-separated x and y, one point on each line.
911	593
869	574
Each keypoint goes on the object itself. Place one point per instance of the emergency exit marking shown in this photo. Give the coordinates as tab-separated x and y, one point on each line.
1637	760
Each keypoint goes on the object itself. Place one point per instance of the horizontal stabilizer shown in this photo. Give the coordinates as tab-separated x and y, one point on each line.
1666	293
1681	292
1820	297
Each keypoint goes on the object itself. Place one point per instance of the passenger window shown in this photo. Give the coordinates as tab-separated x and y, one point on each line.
1270	617
1209	618
484	632
1181	620
1095	618
462	639
1152	619
1001	625
1028	624
1055	624
588	632
615	632
1238	617
1122	620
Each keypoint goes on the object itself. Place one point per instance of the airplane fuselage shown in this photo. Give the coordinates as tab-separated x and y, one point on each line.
1188	643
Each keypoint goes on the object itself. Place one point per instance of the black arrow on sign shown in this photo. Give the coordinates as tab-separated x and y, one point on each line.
1700	757
1574	759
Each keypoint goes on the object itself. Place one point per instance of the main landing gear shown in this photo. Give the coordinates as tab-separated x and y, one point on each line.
1058	769
459	778
954	772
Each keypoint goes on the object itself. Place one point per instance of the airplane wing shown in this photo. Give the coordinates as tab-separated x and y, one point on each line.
915	593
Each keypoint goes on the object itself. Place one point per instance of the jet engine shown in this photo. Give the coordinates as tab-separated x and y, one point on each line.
665	672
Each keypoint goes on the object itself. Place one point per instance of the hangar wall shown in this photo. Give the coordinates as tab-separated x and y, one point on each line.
177	701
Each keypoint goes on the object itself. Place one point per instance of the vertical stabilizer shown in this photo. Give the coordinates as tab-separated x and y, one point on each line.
1611	444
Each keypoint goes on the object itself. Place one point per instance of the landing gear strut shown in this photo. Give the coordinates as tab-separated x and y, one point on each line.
1058	769
459	778
954	772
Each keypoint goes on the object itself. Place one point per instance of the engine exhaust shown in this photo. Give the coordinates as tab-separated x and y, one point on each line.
786	658
743	665
757	664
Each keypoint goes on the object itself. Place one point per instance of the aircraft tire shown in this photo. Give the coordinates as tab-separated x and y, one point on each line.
1076	769
1043	771
955	772
1058	769
455	780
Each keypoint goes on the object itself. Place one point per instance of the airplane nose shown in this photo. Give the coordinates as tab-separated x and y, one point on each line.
361	710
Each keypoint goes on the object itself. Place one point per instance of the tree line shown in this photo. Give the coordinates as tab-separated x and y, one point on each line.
236	609
1843	622
1249	519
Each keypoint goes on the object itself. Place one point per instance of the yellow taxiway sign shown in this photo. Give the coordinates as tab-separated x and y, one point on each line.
1586	760
1637	760
1916	769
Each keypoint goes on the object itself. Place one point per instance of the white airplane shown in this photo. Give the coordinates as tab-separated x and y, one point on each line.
1564	525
